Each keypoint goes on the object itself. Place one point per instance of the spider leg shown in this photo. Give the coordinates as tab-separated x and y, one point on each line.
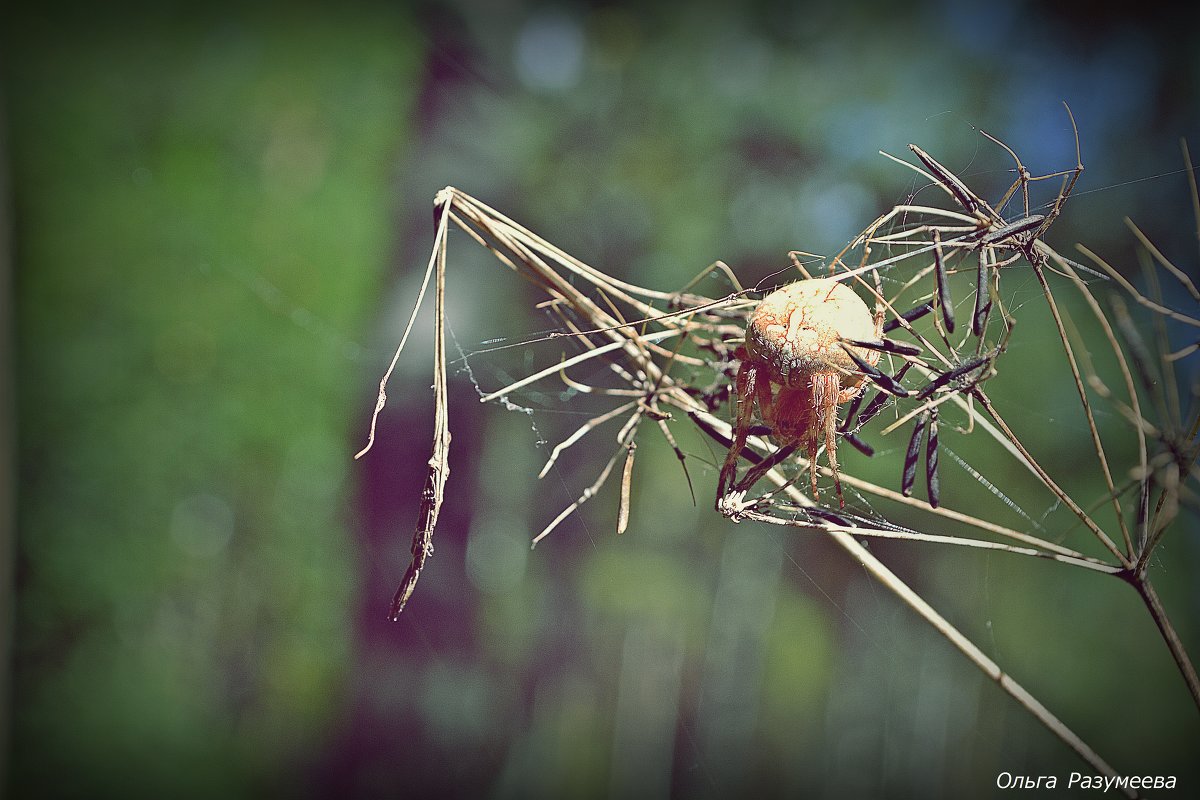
831	442
755	473
812	446
844	426
747	377
770	407
760	464
720	438
826	388
851	411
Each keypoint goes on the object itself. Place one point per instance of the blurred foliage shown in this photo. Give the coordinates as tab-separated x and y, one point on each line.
202	214
209	209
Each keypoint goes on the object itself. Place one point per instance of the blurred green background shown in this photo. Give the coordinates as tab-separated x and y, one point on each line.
219	219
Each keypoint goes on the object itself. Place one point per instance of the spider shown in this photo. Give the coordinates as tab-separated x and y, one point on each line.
809	347
796	339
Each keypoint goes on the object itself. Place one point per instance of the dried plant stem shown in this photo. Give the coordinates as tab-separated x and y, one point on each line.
570	362
1174	644
1036	261
912	536
1135	573
1157	308
1045	478
1122	362
844	537
582	431
1035	546
618	323
439	463
1179	274
990	668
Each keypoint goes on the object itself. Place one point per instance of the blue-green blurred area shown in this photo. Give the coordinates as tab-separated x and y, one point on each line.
220	219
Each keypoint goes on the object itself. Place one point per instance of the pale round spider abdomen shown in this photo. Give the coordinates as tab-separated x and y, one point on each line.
794	333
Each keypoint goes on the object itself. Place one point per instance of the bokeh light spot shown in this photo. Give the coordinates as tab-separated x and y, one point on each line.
549	52
202	525
496	554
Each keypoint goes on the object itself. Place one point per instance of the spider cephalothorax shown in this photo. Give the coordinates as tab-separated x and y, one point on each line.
797	368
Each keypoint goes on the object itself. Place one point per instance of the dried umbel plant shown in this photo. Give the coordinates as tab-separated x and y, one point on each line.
683	358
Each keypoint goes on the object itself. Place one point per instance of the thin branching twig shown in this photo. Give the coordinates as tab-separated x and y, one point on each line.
920	248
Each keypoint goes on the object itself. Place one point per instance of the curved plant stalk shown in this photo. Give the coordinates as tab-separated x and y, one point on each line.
1137	573
707	325
1007	684
741	508
641	335
1037	263
844	537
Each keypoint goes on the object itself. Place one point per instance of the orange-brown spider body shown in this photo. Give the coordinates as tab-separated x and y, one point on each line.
796	370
